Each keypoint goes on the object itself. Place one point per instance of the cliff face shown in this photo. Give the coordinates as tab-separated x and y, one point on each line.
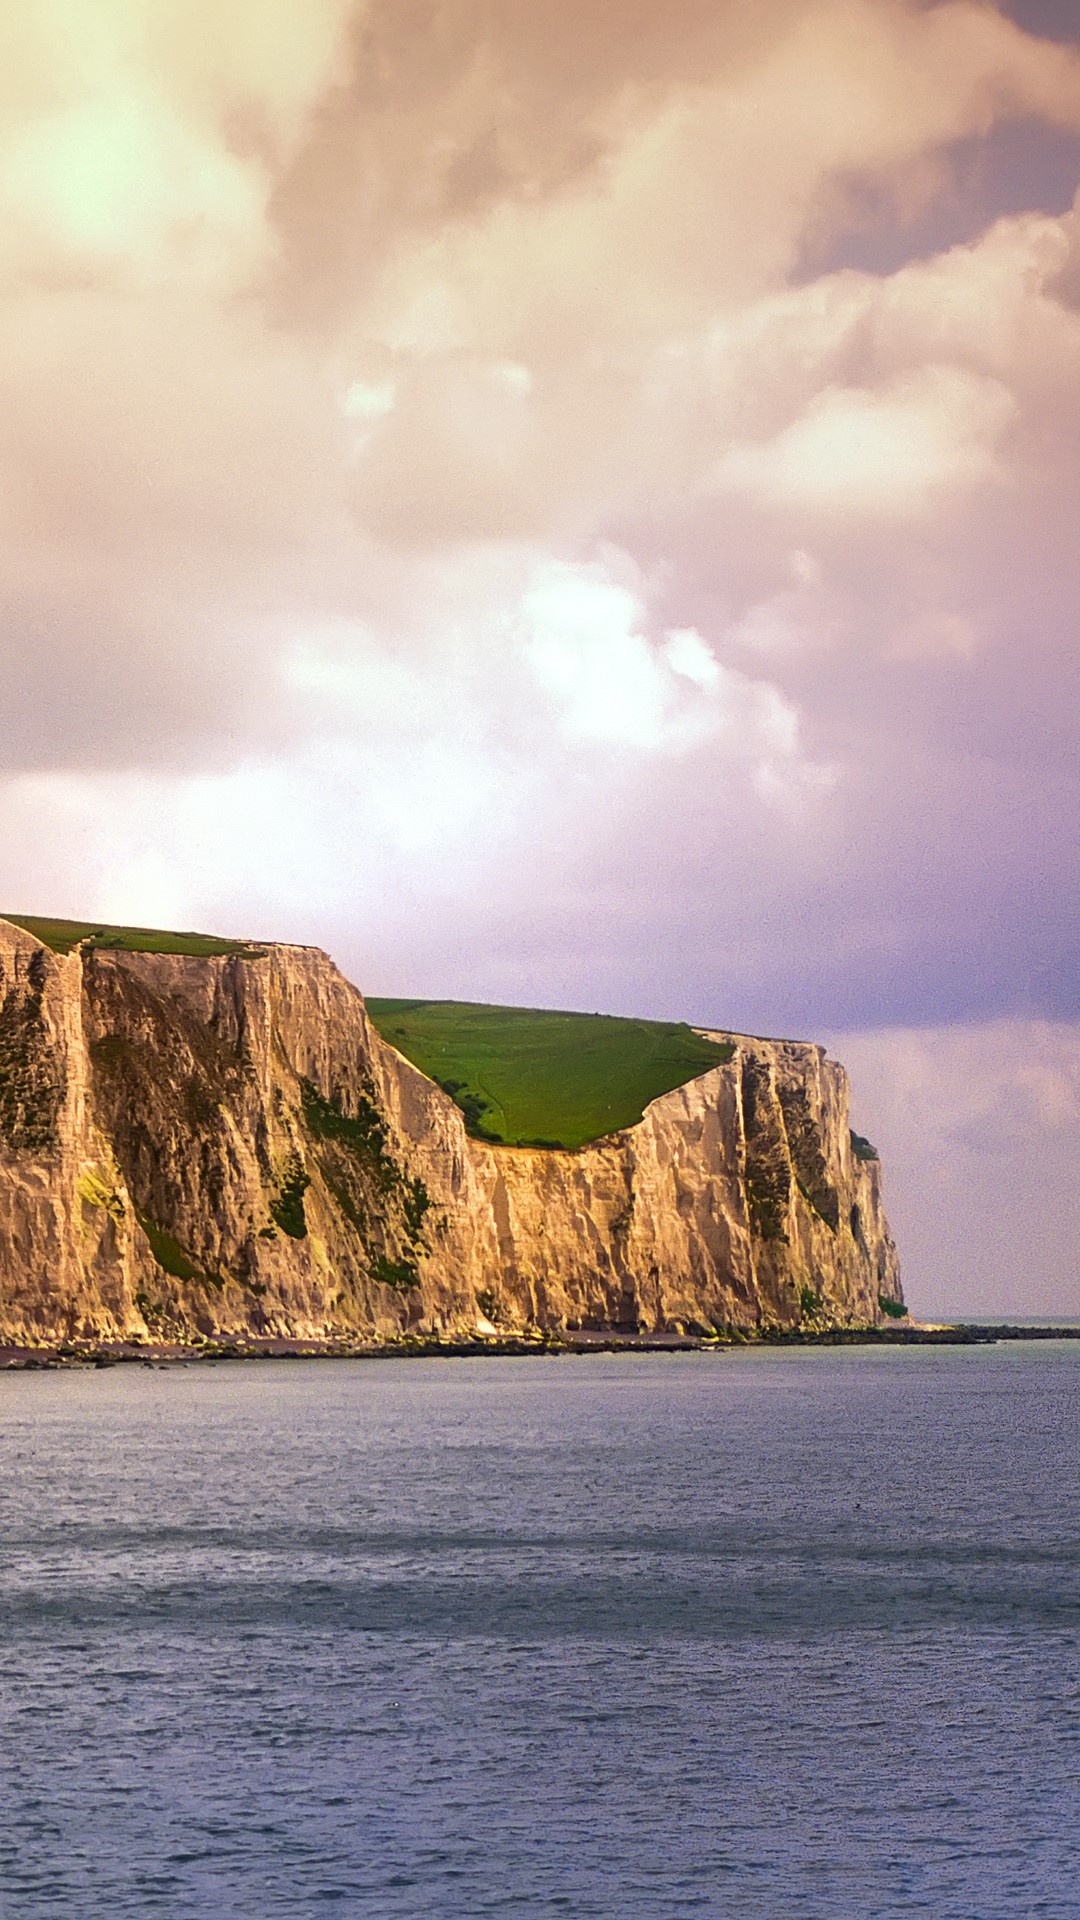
204	1148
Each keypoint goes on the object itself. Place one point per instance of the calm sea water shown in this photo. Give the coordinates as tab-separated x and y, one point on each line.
768	1633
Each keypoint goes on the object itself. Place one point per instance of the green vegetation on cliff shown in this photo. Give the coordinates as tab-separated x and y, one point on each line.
62	935
528	1077
861	1148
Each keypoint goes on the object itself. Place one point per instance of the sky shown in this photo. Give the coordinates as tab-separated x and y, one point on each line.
574	505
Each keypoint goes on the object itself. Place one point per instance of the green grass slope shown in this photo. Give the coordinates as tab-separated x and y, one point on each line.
62	935
527	1077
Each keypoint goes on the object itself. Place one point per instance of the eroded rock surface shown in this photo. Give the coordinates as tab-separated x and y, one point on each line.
209	1148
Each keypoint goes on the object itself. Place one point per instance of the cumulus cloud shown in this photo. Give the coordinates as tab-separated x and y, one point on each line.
891	453
610	682
124	156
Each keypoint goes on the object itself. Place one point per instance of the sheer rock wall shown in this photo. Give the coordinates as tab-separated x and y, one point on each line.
207	1148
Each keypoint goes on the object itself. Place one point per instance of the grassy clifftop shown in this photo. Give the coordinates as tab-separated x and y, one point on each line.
528	1077
62	935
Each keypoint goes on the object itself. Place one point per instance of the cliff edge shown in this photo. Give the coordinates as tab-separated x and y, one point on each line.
200	1149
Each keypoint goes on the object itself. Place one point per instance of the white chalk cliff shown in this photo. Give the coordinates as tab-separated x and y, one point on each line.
202	1149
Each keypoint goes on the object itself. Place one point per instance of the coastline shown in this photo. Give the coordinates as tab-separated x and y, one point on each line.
77	1354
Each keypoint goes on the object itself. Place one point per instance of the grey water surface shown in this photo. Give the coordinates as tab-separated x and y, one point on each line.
763	1633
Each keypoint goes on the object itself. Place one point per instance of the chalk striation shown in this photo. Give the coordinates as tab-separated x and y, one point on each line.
202	1149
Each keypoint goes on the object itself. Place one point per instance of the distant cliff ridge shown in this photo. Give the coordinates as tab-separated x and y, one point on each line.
204	1145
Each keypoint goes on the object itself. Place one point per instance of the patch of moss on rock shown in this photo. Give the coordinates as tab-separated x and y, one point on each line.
399	1274
168	1253
32	1081
92	1187
287	1207
154	1312
804	1142
766	1199
768	1168
416	1203
364	1132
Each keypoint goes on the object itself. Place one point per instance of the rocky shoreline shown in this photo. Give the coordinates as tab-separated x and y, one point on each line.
421	1347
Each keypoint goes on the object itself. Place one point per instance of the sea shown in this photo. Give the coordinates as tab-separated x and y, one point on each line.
762	1632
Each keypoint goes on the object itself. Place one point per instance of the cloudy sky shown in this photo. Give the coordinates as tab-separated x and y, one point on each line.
574	504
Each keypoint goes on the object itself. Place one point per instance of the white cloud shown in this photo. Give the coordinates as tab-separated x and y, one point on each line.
894	452
369	400
119	157
514	376
588	644
585	650
121	183
686	653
